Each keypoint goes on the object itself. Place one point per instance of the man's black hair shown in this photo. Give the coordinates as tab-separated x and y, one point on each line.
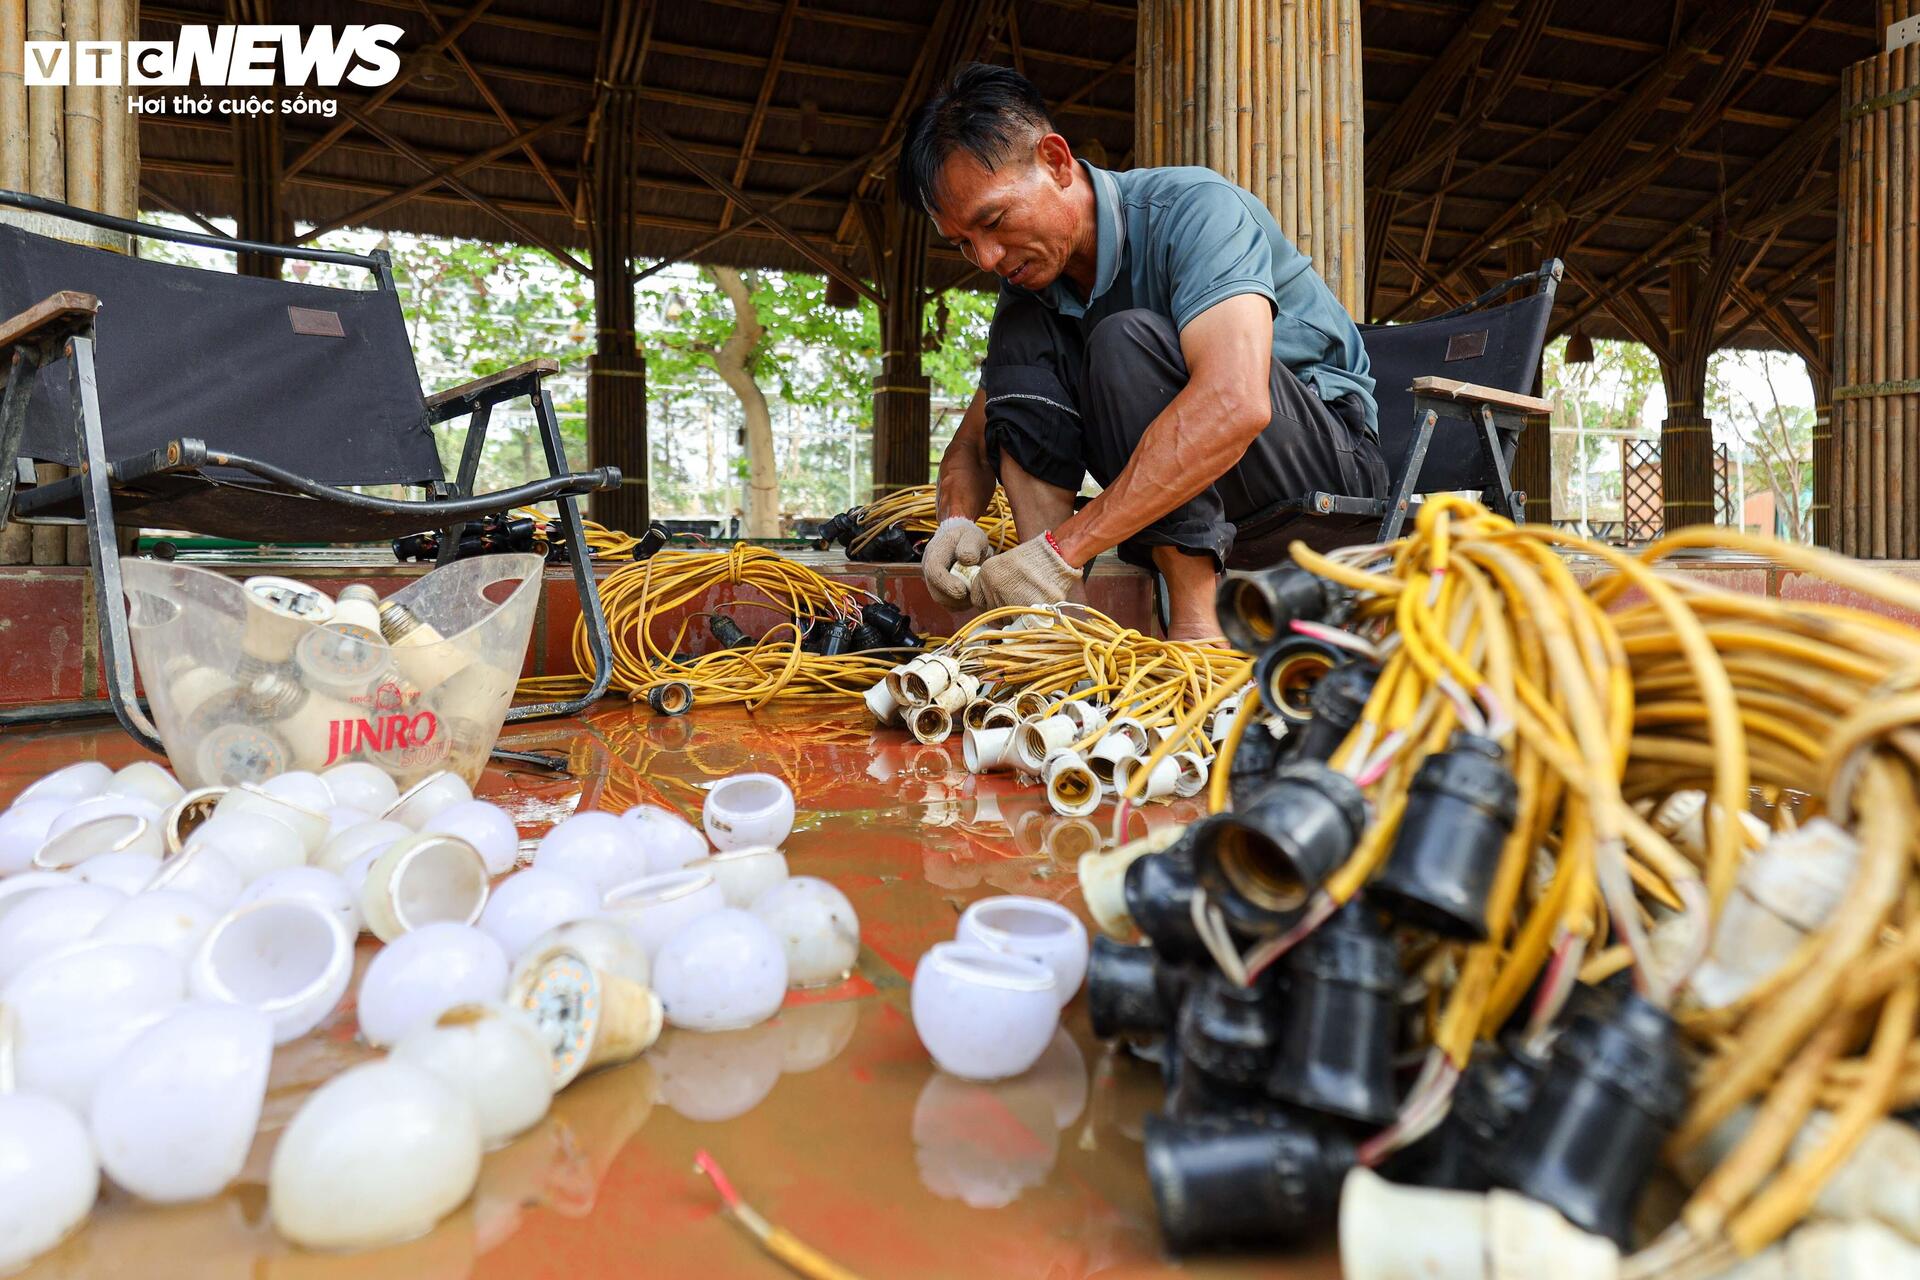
990	112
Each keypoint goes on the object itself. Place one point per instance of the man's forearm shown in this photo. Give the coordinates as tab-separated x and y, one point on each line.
966	484
1195	440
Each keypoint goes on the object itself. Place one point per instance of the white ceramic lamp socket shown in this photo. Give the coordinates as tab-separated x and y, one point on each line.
722	971
532	901
930	725
1194	772
654	908
926	677
587	1018
1163	781
427	797
1072	788
1034	927
1103	881
817	929
983	1014
420	975
423	880
748	809
1109	754
484	826
175	1114
377	1155
597	849
883	704
668	840
1087	718
987	750
493	1056
290	959
1035	740
745	873
1388	1232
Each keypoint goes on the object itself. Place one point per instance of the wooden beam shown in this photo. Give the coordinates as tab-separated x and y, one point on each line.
768	78
769	211
155	197
459	170
731	192
408	69
1599	39
1783	283
481	87
526	233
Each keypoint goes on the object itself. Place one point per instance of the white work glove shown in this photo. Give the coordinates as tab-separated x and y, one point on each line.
958	541
1031	574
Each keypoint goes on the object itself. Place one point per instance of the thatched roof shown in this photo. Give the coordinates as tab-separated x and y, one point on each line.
1512	118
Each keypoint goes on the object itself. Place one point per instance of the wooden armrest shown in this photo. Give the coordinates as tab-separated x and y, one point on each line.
1454	390
47	312
468	390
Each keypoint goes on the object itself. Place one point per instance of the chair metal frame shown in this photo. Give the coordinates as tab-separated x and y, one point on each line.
63	325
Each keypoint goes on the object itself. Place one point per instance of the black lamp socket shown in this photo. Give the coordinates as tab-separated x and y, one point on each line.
1616	1086
1228	1039
1220	1182
1255	609
1260	864
1287	671
1335	703
1254	761
1498	1085
728	632
1460	810
1338	1026
1131	990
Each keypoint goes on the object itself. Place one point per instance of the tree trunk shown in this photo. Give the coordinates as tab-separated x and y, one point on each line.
733	360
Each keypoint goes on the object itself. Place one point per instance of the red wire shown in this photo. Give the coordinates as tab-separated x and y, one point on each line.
707	1165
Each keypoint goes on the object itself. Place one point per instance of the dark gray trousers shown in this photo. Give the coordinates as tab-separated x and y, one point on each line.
1063	405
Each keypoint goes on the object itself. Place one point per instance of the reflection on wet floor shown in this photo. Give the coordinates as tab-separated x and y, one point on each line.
830	1118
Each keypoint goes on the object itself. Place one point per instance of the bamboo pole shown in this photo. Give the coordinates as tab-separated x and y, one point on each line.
1894	157
1850	328
1909	306
46	176
16	540
81	108
1877	368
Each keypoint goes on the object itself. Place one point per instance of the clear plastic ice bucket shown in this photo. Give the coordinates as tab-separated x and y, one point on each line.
242	687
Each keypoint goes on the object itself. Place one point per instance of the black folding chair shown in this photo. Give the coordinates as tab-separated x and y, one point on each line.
1474	366
240	407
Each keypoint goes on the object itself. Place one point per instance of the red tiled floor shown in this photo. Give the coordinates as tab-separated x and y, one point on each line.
830	1119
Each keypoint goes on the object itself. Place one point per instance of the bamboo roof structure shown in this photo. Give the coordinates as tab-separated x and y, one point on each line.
1621	138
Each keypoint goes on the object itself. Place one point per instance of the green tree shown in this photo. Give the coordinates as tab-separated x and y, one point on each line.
1596	404
1774	438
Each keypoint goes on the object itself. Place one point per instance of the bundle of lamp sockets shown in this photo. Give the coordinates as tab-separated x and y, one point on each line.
320	681
1083	736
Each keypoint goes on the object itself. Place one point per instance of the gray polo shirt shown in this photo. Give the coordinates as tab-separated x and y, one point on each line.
1175	241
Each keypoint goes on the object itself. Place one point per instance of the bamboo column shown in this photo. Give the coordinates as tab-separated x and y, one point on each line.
73	143
902	394
1873	485
617	372
1267	93
1686	435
